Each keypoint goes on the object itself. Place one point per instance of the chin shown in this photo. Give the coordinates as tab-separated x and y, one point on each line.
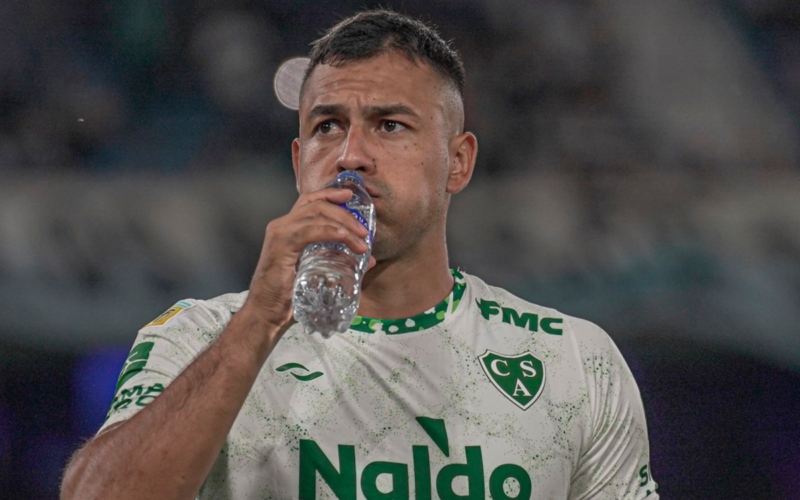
378	253
382	250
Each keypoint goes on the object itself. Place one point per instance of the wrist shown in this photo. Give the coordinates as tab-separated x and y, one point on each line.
257	329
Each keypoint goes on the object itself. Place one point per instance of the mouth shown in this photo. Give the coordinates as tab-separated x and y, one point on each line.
371	190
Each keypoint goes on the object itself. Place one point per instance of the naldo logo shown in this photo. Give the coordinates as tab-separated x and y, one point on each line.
380	480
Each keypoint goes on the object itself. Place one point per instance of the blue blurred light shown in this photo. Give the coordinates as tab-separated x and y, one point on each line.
94	379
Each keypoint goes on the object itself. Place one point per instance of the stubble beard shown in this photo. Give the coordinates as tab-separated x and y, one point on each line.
406	241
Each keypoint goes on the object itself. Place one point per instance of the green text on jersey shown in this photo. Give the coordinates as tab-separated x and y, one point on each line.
452	481
510	316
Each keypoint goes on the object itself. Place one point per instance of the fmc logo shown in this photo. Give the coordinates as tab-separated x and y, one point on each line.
510	316
506	481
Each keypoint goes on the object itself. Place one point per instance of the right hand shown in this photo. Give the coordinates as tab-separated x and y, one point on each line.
315	217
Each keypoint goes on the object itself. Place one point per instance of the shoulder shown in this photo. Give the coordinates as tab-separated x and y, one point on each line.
483	292
493	301
197	315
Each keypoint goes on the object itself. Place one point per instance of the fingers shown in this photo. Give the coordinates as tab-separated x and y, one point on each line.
325	211
316	217
331	195
314	222
328	230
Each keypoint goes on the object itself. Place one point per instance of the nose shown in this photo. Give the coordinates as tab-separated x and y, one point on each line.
355	153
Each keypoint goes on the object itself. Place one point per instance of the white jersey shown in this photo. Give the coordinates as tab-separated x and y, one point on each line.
483	396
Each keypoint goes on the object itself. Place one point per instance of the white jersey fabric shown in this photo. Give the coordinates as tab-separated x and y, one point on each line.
484	396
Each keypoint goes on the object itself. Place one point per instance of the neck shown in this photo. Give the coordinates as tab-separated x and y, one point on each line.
408	286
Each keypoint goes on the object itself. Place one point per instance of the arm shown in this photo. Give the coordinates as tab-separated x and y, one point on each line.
167	448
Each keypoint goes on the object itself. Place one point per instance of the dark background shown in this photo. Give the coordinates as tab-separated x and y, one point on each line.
638	167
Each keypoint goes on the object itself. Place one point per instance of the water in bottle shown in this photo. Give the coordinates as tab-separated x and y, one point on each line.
327	288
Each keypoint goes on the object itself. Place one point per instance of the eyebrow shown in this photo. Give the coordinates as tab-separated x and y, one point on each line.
392	109
326	110
369	111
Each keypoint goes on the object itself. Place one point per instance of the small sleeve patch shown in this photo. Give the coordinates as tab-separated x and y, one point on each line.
170	313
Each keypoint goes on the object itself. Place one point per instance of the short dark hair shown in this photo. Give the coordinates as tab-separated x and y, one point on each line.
374	32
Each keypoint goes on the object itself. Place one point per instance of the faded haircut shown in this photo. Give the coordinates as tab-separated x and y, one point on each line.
372	33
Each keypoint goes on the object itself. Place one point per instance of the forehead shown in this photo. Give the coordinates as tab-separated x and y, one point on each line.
388	78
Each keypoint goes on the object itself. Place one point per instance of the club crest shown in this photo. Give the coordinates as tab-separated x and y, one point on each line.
520	377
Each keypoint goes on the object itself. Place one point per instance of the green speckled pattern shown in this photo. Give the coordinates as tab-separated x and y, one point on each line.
584	437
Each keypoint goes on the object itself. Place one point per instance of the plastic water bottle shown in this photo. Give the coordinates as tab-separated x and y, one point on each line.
327	288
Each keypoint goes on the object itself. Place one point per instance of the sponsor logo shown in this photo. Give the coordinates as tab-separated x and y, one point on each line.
520	377
646	479
506	481
170	313
510	316
137	359
297	372
137	395
135	363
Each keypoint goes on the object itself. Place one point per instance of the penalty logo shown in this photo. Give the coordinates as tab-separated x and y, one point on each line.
520	377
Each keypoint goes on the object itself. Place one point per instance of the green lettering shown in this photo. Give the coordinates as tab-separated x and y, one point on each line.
644	475
488	308
133	391
313	460
422	473
505	472
126	397
150	394
527	319
547	325
369	481
473	470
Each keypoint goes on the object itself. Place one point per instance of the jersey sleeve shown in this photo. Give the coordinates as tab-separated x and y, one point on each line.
162	350
615	458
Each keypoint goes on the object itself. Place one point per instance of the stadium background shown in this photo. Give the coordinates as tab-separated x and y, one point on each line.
638	166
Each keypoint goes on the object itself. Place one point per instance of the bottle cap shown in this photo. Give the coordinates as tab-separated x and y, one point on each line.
352	176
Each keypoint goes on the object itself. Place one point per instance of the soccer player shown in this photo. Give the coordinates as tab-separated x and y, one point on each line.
444	387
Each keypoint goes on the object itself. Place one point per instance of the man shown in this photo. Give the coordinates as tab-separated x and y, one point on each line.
461	390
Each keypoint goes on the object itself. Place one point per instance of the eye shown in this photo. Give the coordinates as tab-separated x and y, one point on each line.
392	126
327	127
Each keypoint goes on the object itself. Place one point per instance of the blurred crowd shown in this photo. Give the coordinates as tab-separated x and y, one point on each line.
187	84
182	85
137	85
771	27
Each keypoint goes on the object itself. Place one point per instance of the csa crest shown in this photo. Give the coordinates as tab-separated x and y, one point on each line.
519	377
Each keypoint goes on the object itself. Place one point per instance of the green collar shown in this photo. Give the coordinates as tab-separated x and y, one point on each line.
427	319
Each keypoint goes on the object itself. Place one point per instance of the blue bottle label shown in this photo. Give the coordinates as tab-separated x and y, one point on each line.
361	219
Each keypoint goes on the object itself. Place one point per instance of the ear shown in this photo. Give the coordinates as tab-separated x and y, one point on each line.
296	162
463	151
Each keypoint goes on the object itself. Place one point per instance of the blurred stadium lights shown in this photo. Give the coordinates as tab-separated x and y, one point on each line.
124	250
717	268
93	384
288	80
